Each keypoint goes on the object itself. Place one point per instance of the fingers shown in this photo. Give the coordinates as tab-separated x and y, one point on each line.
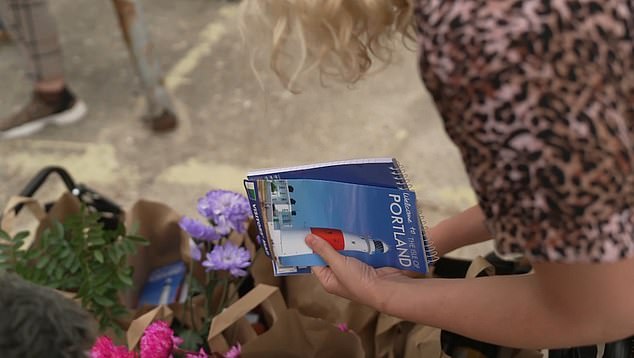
322	248
327	279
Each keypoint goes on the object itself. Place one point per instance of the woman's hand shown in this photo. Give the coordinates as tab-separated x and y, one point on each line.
351	278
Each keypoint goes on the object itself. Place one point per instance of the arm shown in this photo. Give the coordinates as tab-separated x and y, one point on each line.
460	230
559	305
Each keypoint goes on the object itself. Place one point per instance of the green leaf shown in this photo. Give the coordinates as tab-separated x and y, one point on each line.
4	236
59	272
21	236
134	229
125	279
98	241
191	340
138	239
103	301
75	268
42	262
113	255
64	253
98	256
59	229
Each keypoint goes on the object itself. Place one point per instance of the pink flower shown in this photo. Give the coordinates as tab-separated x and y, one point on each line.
105	348
343	327
201	354
158	341
234	352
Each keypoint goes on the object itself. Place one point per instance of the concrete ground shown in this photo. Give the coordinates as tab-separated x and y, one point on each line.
229	124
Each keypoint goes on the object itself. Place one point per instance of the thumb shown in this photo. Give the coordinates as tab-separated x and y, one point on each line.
322	248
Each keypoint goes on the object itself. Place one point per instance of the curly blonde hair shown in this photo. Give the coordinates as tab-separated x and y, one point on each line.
340	38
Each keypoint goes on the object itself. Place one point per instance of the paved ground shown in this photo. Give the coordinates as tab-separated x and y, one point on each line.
229	124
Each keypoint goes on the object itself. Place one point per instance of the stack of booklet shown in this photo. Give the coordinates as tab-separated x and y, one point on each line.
363	208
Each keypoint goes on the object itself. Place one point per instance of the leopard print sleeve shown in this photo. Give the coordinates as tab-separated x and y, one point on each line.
538	95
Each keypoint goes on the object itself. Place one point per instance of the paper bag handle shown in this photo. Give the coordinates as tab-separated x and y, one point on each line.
9	213
138	326
480	267
248	302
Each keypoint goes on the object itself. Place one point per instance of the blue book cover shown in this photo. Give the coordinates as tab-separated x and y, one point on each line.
384	172
377	225
163	285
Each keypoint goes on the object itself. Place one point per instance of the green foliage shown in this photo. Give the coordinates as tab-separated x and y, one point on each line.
79	256
192	340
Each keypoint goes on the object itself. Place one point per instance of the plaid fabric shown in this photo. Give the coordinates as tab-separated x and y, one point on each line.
33	29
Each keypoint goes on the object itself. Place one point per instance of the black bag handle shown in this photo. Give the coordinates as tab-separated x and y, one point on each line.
109	209
40	178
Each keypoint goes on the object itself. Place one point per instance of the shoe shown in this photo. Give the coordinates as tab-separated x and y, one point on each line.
63	109
4	36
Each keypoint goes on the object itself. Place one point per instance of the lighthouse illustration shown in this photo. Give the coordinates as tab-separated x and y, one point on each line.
293	241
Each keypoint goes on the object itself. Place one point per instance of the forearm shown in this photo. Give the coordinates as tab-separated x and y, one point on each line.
507	310
460	230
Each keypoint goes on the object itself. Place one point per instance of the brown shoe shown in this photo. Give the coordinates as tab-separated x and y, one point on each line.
41	111
4	36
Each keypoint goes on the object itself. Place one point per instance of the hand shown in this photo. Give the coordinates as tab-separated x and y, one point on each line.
350	278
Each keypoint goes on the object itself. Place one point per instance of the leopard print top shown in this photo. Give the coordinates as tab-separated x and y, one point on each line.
539	97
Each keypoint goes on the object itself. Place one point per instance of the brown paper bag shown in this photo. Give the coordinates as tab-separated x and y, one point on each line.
230	326
307	295
423	341
298	336
138	326
168	243
291	334
65	206
391	336
62	208
261	270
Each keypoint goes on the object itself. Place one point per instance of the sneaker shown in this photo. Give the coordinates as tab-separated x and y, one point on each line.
4	34
40	112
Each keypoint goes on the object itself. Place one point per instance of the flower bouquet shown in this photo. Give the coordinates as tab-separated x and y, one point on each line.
216	243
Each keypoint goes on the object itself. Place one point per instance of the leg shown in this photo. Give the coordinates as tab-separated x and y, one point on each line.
33	29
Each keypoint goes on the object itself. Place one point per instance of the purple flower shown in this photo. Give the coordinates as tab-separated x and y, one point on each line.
194	250
229	257
227	209
343	327
198	230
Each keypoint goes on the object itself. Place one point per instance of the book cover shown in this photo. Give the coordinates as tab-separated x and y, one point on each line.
385	172
163	285
377	225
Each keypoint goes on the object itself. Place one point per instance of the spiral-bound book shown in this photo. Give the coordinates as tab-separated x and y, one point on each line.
363	208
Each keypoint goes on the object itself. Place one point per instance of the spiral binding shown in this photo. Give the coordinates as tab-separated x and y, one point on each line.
403	182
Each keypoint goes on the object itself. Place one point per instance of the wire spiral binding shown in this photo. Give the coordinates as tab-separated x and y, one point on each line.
403	182
432	253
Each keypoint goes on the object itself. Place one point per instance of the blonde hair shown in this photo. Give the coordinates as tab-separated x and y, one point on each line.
340	38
